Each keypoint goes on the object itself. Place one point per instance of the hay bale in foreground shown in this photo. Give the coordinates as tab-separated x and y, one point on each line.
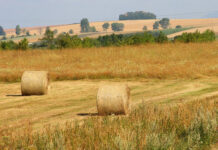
113	99
34	83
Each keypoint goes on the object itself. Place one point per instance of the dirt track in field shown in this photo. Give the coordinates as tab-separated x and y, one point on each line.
70	100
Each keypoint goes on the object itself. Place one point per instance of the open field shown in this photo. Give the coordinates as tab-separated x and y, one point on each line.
130	26
158	61
163	78
70	100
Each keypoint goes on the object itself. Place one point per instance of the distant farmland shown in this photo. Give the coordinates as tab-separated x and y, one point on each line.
130	26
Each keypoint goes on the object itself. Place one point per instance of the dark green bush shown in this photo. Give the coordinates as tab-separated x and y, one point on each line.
23	44
117	26
207	36
161	38
90	42
63	41
8	45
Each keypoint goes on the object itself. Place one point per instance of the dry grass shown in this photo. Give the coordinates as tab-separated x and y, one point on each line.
164	61
185	126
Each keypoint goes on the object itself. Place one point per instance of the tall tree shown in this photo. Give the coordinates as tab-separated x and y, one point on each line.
18	30
2	32
105	26
84	25
156	25
48	38
165	22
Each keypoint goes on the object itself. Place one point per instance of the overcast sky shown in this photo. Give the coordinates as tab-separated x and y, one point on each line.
53	12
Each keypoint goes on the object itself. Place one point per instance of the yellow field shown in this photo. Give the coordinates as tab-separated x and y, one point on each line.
130	26
156	73
160	61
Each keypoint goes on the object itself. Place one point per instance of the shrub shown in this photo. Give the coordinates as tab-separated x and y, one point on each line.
161	38
8	45
156	25
63	41
117	26
178	27
55	31
145	28
207	36
90	42
138	39
76	42
48	39
71	31
92	29
23	44
28	33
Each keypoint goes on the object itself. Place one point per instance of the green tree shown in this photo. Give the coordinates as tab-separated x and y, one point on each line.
71	31
84	25
161	38
23	44
18	30
117	26
55	31
105	26
48	39
156	25
145	28
138	15
165	22
178	27
63	41
28	33
92	29
2	32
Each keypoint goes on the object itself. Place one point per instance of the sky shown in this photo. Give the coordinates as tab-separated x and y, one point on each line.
29	13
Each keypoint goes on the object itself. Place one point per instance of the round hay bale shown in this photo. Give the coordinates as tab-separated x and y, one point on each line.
113	99
34	83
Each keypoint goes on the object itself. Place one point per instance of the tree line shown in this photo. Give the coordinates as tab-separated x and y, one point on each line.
65	40
138	15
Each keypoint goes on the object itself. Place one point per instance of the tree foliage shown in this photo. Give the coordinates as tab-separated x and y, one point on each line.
48	39
105	26
145	28
23	44
84	25
165	22
156	25
18	30
138	15
207	36
2	32
117	26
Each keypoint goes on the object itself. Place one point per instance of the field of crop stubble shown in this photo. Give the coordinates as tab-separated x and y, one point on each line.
162	76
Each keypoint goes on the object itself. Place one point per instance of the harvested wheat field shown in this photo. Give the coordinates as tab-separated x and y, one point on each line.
70	100
173	87
155	73
157	61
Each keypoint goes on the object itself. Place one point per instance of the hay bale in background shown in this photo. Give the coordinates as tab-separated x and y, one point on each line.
113	99
34	83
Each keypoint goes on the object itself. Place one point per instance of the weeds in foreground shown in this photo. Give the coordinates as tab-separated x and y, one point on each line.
189	125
